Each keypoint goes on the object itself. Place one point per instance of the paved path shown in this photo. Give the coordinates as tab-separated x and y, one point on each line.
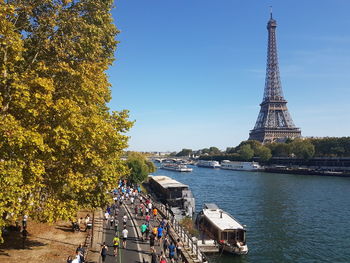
137	251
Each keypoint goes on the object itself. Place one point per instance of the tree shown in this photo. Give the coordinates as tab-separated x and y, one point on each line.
214	151
279	149
184	152
139	167
303	149
246	152
60	146
263	153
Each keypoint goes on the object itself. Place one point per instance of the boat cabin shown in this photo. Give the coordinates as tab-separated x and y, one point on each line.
221	226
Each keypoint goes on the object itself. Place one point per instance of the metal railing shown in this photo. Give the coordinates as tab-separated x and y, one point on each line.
190	244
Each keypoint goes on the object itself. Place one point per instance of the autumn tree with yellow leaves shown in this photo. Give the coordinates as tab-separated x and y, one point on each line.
60	146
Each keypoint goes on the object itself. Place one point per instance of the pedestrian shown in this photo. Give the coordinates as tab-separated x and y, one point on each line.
125	219
136	209
179	246
69	259
171	252
152	240
80	223
162	257
155	212
116	226
115	245
143	230
154	258
24	221
160	234
148	218
165	244
111	221
81	251
103	252
106	218
125	236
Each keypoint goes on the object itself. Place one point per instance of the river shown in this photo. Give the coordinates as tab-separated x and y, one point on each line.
289	218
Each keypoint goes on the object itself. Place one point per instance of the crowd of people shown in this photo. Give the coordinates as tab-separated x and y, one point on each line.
154	229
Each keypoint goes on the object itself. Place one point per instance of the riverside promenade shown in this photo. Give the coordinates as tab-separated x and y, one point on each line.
137	250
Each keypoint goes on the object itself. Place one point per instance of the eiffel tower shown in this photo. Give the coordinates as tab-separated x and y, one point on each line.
274	122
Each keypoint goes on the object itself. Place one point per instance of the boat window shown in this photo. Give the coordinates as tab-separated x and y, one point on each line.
224	236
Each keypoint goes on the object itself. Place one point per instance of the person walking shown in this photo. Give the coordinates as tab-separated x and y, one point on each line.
179	246
116	226
143	230
81	252
125	233
159	234
165	244
154	258
171	252
111	221
162	257
115	245
103	252
125	219
155	212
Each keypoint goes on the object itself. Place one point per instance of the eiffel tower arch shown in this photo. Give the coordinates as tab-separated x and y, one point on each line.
274	121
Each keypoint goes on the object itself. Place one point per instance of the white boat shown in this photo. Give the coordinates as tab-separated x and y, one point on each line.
175	194
176	167
240	166
208	164
224	228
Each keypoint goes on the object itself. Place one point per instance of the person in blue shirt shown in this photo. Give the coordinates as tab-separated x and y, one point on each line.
160	234
171	251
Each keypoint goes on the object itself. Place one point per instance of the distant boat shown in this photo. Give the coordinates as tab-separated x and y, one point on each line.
223	228
240	166
176	167
208	164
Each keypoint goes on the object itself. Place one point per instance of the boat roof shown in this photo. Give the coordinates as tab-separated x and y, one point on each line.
167	182
221	219
210	206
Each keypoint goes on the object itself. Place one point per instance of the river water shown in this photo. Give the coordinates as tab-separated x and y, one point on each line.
289	218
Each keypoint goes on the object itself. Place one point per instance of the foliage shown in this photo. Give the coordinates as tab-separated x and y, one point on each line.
246	152
332	147
60	146
139	167
302	149
279	149
263	153
184	152
188	225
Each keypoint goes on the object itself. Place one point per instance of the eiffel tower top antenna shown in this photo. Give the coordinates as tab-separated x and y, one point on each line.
270	11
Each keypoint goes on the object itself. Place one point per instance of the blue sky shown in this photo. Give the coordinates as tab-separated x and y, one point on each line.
192	72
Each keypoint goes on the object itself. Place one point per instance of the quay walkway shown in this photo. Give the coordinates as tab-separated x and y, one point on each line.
138	251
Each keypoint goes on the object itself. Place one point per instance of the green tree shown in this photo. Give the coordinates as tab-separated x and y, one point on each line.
263	153
303	148
280	149
246	152
60	146
184	152
139	167
214	151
